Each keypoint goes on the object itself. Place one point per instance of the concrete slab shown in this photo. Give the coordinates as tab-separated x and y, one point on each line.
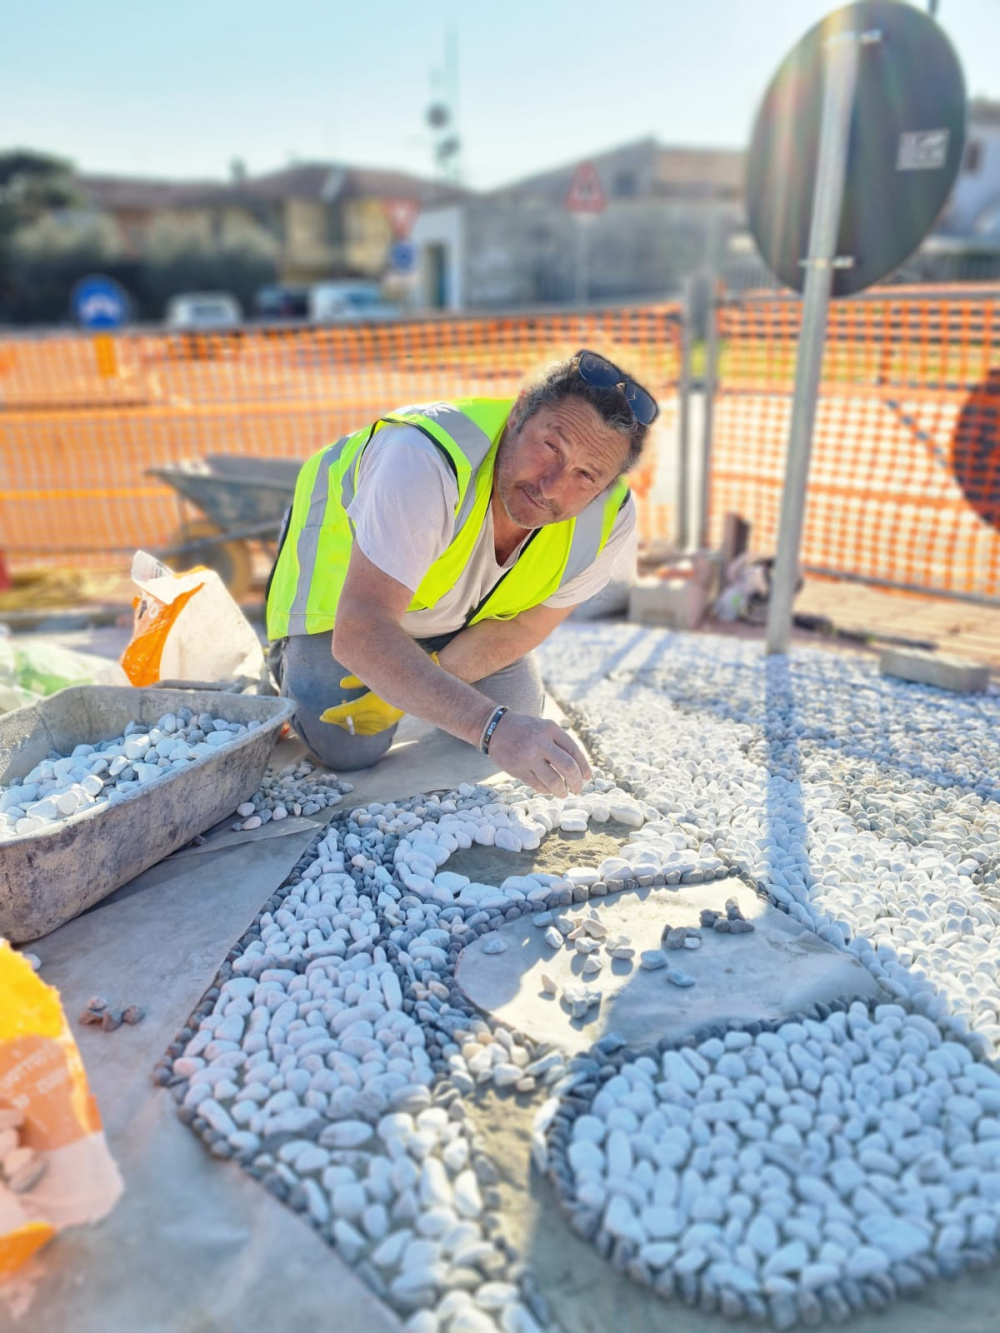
947	673
422	759
777	971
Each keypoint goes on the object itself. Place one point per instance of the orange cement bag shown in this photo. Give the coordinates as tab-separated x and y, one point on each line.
188	627
56	1167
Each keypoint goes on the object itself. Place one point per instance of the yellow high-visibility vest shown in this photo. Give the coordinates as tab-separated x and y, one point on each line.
312	564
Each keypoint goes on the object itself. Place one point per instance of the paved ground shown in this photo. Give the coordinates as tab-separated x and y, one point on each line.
583	1293
960	629
963	629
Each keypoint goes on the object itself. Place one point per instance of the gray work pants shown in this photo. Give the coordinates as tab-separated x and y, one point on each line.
307	672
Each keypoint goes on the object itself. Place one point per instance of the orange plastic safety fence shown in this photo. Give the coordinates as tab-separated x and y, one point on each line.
84	418
904	482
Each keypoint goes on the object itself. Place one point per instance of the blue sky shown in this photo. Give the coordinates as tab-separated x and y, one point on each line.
181	89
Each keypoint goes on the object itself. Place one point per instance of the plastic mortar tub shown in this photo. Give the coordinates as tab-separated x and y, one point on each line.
49	877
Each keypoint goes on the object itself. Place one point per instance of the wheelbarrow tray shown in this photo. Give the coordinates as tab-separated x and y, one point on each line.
47	878
235	491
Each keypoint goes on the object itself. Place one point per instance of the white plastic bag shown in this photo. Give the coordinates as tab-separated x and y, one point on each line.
187	627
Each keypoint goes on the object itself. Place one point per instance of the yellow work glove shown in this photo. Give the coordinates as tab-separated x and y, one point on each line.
365	716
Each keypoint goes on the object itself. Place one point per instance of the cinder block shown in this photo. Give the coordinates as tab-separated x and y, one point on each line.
947	673
678	602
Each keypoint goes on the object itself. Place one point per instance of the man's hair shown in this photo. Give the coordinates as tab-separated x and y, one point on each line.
562	380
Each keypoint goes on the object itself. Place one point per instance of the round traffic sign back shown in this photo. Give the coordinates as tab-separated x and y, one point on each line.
906	139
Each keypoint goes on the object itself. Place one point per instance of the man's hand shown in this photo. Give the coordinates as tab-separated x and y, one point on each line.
365	716
539	753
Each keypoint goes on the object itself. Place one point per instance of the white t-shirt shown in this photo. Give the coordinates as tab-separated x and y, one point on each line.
404	518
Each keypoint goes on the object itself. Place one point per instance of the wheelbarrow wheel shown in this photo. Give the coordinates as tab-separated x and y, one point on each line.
231	560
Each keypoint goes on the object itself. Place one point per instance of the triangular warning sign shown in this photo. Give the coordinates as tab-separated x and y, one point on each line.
586	193
402	213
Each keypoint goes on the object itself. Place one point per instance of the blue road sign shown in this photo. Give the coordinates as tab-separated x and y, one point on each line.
98	302
403	257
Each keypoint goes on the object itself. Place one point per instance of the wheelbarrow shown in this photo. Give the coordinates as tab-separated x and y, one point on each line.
242	500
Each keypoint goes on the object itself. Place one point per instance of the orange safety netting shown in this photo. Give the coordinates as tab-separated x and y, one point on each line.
84	417
904	482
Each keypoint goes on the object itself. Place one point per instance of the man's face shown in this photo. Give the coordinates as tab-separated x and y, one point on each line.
556	463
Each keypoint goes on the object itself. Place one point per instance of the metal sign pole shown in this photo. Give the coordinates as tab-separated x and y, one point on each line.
838	102
582	259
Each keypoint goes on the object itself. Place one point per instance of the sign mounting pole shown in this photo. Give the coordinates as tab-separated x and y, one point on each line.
841	72
585	198
582	258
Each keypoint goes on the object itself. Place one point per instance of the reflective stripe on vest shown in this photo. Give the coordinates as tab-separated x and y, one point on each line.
588	538
311	566
471	439
307	546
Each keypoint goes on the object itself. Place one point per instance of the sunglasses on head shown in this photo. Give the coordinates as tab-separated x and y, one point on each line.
598	371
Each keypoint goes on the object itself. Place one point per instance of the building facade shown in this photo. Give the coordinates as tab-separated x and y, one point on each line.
319	220
665	209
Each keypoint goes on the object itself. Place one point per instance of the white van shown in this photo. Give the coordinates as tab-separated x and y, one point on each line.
203	310
337	302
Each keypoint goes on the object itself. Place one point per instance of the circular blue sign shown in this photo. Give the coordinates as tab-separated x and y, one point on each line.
403	256
98	302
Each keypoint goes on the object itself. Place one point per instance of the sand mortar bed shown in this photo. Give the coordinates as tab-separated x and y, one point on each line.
339	1061
779	970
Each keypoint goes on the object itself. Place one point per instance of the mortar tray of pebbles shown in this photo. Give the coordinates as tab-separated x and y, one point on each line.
76	744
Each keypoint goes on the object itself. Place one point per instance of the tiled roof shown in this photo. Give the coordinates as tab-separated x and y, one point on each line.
307	180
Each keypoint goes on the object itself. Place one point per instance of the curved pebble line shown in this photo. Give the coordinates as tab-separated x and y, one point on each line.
795	1171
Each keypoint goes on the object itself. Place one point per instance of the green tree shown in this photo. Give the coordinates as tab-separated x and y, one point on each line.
179	259
50	256
31	186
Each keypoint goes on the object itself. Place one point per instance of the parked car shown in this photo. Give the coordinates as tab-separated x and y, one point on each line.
196	319
281	301
336	302
203	310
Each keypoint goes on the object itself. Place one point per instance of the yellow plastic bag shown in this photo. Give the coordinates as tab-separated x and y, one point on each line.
187	627
42	1080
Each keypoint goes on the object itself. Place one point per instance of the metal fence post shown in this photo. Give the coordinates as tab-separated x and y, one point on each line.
838	104
708	409
683	421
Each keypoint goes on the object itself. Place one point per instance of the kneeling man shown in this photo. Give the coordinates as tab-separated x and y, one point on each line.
427	555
